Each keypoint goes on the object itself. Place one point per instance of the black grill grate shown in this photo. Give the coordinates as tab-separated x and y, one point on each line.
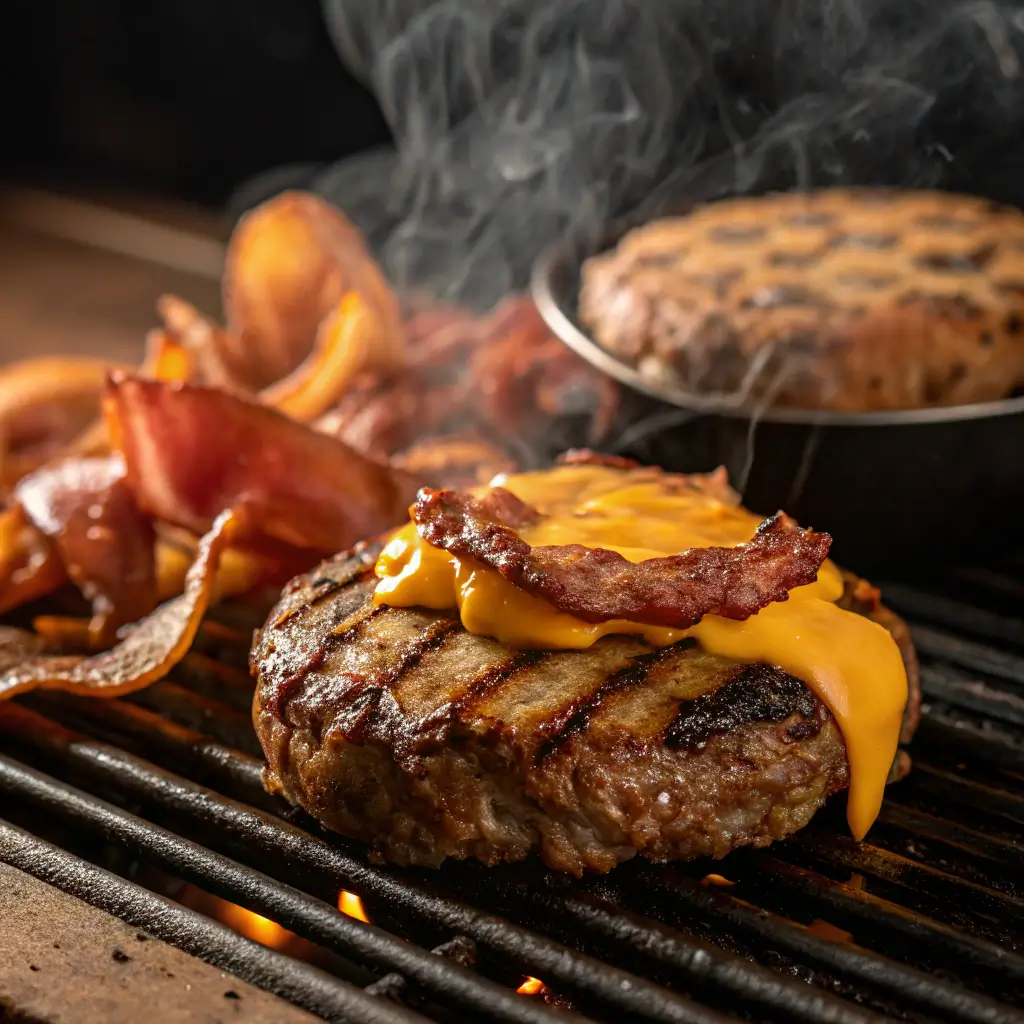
925	922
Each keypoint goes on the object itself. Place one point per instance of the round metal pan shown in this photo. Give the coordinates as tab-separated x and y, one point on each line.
891	487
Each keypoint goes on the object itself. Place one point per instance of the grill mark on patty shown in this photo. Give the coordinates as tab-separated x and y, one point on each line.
355	566
575	717
755	693
433	638
339	636
431	730
281	691
485	684
372	710
328	586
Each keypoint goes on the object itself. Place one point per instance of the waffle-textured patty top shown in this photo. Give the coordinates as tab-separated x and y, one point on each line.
841	299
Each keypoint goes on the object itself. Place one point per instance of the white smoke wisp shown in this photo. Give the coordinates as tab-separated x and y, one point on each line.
516	122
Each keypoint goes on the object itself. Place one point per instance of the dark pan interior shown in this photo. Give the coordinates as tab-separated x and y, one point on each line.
893	488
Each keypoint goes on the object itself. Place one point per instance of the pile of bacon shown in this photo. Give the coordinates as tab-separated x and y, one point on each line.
237	456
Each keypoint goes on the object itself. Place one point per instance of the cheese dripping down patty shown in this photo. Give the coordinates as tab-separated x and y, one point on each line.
851	663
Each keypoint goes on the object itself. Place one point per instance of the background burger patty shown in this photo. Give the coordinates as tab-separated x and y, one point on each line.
397	727
850	299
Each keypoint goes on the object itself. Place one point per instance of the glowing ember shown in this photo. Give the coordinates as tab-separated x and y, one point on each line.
531	987
719	880
828	931
349	903
252	926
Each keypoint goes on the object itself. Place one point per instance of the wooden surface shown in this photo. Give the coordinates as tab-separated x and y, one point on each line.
62	960
82	277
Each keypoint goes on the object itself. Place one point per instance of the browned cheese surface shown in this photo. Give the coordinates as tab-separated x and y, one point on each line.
399	728
841	299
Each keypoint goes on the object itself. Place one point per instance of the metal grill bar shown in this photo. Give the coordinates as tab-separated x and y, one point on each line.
299	913
964	869
306	986
886	926
990	581
288	852
967	691
860	968
626	934
953	614
931	643
843	851
943	1000
176	747
968	795
1004	861
980	910
198	712
985	741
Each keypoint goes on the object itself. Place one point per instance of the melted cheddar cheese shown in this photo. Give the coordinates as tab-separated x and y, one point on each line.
851	663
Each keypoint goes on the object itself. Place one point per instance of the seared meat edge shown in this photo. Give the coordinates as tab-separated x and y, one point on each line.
398	728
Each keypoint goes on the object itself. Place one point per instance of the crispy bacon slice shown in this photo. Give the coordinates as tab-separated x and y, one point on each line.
192	451
214	356
44	404
596	584
148	650
289	263
29	565
166	359
351	340
86	509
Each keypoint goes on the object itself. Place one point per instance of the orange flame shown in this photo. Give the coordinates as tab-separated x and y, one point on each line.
828	931
720	880
531	987
349	903
252	926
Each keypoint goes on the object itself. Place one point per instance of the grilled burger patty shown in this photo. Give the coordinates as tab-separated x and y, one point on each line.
397	727
851	299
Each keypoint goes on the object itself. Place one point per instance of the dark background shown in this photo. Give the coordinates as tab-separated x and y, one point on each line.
186	98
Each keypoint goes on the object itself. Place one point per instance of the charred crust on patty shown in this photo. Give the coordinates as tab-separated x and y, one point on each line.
396	727
754	693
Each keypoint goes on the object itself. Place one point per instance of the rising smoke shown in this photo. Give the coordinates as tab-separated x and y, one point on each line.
516	122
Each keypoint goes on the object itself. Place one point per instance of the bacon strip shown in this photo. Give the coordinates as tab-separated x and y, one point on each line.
192	451
289	262
29	566
596	584
148	650
212	355
351	340
85	508
44	404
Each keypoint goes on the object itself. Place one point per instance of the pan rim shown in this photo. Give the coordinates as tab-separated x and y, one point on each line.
562	260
